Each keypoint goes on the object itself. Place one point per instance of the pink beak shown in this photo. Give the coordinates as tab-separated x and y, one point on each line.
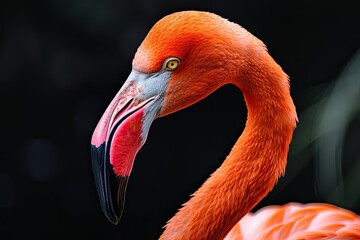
120	134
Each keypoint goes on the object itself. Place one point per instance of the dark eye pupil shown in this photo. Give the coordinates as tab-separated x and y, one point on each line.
172	64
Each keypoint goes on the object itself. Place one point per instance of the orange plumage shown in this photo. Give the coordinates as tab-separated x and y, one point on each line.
213	52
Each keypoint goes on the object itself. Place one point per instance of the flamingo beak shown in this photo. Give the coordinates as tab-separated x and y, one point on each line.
120	134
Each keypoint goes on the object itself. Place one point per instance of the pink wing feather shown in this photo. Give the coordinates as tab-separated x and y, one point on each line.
295	221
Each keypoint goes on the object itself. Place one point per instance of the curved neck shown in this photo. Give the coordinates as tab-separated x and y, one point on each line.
255	162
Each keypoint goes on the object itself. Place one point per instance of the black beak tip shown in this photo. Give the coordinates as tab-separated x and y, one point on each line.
115	221
111	216
111	189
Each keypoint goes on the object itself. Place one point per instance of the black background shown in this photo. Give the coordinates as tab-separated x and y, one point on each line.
61	63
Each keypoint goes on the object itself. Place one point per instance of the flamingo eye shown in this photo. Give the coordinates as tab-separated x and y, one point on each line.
171	64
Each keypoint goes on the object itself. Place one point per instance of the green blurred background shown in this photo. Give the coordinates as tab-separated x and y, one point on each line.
62	61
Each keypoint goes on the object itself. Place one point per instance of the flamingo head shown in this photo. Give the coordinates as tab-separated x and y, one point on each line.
183	59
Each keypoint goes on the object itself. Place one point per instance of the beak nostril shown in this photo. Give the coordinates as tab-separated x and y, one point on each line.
135	102
120	111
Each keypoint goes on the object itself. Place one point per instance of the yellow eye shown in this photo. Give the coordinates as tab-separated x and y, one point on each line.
172	64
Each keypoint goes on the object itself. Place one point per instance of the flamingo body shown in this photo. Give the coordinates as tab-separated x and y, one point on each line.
185	57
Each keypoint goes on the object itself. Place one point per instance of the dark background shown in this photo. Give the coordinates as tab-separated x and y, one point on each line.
62	61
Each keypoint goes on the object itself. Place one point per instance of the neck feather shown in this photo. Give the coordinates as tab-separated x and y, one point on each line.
255	162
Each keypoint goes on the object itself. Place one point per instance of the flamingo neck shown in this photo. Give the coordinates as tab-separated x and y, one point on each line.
254	164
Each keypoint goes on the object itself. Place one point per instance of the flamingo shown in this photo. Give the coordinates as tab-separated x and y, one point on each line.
185	57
